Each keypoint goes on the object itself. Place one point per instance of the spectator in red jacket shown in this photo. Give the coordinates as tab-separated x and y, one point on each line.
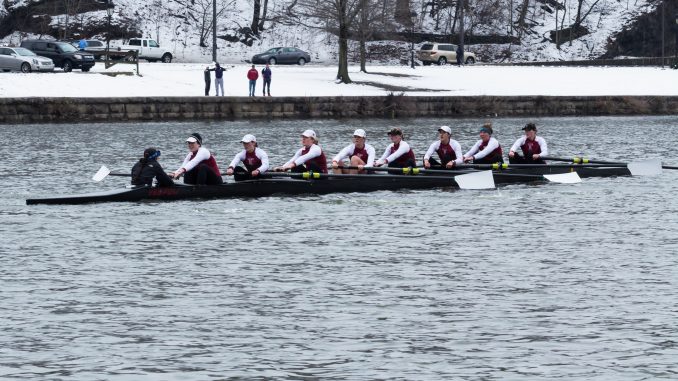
252	75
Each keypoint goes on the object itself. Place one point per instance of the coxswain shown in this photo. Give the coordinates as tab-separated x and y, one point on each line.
148	168
253	158
486	150
359	153
398	154
310	157
448	150
533	147
199	166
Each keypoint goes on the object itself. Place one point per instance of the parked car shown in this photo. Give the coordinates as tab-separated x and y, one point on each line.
63	54
148	50
93	46
20	59
282	56
441	54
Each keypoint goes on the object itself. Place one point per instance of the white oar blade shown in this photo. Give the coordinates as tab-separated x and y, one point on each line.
101	173
476	180
651	167
564	178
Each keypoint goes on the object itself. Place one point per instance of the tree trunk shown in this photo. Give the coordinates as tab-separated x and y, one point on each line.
263	15
255	17
363	34
342	73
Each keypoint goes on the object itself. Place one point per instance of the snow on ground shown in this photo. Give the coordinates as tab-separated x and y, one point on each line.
179	79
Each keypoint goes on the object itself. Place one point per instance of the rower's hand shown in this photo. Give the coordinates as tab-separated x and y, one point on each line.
427	165
287	167
512	154
229	172
360	167
450	164
468	159
335	165
535	156
255	173
278	169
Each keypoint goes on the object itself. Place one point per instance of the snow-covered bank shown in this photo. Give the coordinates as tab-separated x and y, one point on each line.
187	80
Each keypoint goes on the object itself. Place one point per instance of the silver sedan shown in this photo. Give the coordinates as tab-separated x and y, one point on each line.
24	60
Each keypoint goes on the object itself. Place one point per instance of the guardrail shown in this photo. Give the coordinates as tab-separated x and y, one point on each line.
642	61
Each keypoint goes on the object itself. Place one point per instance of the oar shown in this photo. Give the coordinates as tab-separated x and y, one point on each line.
648	167
104	172
557	178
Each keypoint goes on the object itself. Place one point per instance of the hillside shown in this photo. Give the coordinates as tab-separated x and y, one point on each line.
184	24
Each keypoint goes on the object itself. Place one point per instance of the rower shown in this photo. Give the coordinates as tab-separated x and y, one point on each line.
448	150
148	168
398	154
253	158
310	157
359	153
533	147
486	150
199	166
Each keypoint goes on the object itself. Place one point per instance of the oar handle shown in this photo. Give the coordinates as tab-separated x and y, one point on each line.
120	174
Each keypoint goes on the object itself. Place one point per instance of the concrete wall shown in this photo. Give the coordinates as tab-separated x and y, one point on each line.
59	110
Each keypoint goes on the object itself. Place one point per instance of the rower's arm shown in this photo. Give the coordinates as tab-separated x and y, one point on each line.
371	155
457	152
473	149
402	149
516	146
492	145
542	145
314	152
294	158
263	156
240	156
386	153
203	154
343	154
431	149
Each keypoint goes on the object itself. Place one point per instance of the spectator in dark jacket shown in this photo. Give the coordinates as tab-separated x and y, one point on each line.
266	74
148	168
252	75
218	79
208	80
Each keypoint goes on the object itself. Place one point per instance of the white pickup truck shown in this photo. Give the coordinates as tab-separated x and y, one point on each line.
148	50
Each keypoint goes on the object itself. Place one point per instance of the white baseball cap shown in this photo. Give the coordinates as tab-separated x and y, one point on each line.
446	129
248	138
309	134
359	132
191	139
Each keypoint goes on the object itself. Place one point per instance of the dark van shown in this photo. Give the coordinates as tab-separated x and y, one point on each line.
63	54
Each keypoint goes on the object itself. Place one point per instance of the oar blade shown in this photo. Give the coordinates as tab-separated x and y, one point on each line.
475	180
564	178
650	167
101	173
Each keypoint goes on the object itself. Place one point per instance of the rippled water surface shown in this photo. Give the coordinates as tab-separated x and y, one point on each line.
543	281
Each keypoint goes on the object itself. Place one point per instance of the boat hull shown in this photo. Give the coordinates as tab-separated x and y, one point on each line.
290	186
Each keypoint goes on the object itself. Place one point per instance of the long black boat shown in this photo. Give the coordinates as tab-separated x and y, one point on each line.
298	186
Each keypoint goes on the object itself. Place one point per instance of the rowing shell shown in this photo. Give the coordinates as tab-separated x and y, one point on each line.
289	186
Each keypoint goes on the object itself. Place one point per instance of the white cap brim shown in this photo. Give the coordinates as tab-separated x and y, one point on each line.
192	140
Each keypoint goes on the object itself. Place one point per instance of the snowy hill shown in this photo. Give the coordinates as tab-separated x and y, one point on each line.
182	25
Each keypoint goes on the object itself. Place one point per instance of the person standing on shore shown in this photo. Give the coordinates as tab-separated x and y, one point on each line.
218	79
266	74
82	45
208	80
252	75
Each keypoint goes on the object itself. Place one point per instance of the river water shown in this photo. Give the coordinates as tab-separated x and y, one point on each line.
546	281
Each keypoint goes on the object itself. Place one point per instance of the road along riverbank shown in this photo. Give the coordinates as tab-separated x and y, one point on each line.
60	109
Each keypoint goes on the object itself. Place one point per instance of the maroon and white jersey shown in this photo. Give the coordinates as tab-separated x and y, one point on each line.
446	152
313	154
490	150
399	153
367	154
258	159
202	155
531	147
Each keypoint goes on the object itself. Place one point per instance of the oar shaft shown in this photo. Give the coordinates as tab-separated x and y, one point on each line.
120	174
450	172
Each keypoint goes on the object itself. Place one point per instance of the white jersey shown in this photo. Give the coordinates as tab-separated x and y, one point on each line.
456	147
242	157
299	159
542	145
350	149
403	148
188	164
492	145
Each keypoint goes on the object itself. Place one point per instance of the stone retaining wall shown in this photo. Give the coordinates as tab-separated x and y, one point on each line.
59	110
